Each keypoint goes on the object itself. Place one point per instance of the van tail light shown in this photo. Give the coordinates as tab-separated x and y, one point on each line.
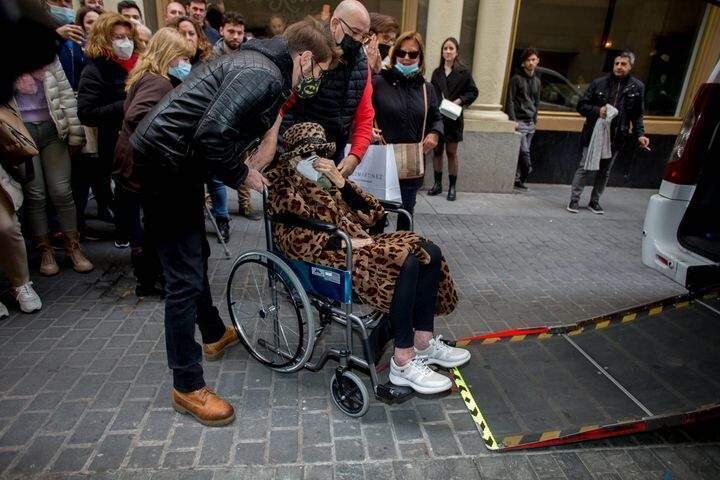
692	144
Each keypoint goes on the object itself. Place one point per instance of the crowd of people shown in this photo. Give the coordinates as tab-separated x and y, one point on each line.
152	122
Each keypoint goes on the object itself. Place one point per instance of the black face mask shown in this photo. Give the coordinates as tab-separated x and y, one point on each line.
350	46
384	50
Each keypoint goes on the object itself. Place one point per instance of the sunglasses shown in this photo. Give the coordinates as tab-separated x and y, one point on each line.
400	53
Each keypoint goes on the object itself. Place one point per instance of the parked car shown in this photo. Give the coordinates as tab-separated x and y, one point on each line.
557	93
681	234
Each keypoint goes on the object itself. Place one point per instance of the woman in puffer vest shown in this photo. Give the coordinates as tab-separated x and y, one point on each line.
49	110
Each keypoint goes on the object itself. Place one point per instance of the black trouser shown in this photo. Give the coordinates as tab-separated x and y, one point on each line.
413	303
85	175
408	192
188	301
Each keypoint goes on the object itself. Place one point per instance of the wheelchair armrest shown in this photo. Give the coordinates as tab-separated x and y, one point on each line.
310	223
390	206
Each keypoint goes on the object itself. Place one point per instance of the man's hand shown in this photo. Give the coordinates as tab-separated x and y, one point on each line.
377	135
71	32
327	167
266	151
644	142
255	180
603	112
348	165
458	101
430	142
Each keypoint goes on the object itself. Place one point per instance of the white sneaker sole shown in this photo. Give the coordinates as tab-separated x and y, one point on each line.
448	364
596	212
571	210
404	382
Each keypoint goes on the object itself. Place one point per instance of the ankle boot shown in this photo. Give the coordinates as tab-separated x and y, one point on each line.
437	187
452	194
72	251
48	265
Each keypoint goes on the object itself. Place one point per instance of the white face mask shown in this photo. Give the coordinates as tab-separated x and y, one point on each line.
123	48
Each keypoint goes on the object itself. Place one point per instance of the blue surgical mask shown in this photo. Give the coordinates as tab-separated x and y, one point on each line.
62	15
407	70
181	71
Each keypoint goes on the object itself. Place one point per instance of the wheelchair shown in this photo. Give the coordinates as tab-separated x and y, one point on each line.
281	307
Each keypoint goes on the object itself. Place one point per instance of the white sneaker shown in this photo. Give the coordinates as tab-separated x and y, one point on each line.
27	297
440	353
418	376
3	311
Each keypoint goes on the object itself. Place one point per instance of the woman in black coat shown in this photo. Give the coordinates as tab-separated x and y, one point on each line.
452	81
400	108
112	52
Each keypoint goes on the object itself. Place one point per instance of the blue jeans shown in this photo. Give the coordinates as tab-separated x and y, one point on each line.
187	302
218	195
527	130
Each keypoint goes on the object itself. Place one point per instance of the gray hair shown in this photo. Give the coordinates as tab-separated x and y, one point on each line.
629	55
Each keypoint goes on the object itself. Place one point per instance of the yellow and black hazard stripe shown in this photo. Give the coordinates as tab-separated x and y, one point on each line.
475	413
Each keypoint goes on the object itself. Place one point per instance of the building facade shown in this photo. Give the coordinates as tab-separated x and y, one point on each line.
677	43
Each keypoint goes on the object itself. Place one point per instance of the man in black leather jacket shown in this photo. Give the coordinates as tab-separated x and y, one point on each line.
199	129
627	94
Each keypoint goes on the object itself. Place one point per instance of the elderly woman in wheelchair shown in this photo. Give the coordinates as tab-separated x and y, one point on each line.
400	274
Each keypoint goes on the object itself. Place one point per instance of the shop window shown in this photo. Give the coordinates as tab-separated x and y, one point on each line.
579	40
257	13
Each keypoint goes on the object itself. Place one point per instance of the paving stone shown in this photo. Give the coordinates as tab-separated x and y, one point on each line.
177	460
22	429
349	450
380	443
111	453
130	415
283	446
216	447
72	459
441	439
38	455
157	425
316	429
348	471
406	425
317	454
12	406
250	454
145	457
186	435
285	417
572	466
91	427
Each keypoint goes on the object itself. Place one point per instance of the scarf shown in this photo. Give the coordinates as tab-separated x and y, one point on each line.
128	64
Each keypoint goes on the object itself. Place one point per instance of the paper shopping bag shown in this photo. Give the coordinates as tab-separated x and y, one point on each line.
377	173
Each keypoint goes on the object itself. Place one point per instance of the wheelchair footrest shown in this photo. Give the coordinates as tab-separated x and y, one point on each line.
389	392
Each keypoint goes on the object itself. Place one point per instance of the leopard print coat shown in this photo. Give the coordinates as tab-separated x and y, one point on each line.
376	266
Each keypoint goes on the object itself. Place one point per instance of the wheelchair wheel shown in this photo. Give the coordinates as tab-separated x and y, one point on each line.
271	311
352	397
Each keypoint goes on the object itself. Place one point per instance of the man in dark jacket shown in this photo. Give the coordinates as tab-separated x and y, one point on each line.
626	93
201	129
522	107
345	98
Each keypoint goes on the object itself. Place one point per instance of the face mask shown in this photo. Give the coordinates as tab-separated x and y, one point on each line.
307	87
123	48
62	15
384	50
407	70
180	71
350	46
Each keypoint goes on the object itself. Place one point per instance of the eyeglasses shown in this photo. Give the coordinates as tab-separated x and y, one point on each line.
364	37
400	53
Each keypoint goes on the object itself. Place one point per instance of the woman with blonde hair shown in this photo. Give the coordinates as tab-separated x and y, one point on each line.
160	68
407	108
113	49
194	35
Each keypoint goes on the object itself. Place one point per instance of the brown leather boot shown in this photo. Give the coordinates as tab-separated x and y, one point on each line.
205	405
48	265
72	249
216	350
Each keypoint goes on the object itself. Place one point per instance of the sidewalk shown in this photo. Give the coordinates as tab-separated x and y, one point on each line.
84	388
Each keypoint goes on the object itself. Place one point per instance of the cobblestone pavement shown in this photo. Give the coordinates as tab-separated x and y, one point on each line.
84	389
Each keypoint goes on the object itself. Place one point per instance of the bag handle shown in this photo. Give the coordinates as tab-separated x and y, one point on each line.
425	103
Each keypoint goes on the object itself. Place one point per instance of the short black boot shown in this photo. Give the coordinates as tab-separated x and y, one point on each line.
437	187
452	194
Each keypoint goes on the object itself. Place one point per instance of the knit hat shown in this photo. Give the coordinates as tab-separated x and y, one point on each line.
304	138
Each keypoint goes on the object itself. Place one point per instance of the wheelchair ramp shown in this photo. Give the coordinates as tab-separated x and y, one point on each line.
628	372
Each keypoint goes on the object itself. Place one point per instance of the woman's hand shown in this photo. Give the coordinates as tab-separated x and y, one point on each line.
458	101
357	243
430	142
327	167
377	135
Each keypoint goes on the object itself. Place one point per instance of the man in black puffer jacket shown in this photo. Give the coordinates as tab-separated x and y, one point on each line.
343	106
200	129
627	94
